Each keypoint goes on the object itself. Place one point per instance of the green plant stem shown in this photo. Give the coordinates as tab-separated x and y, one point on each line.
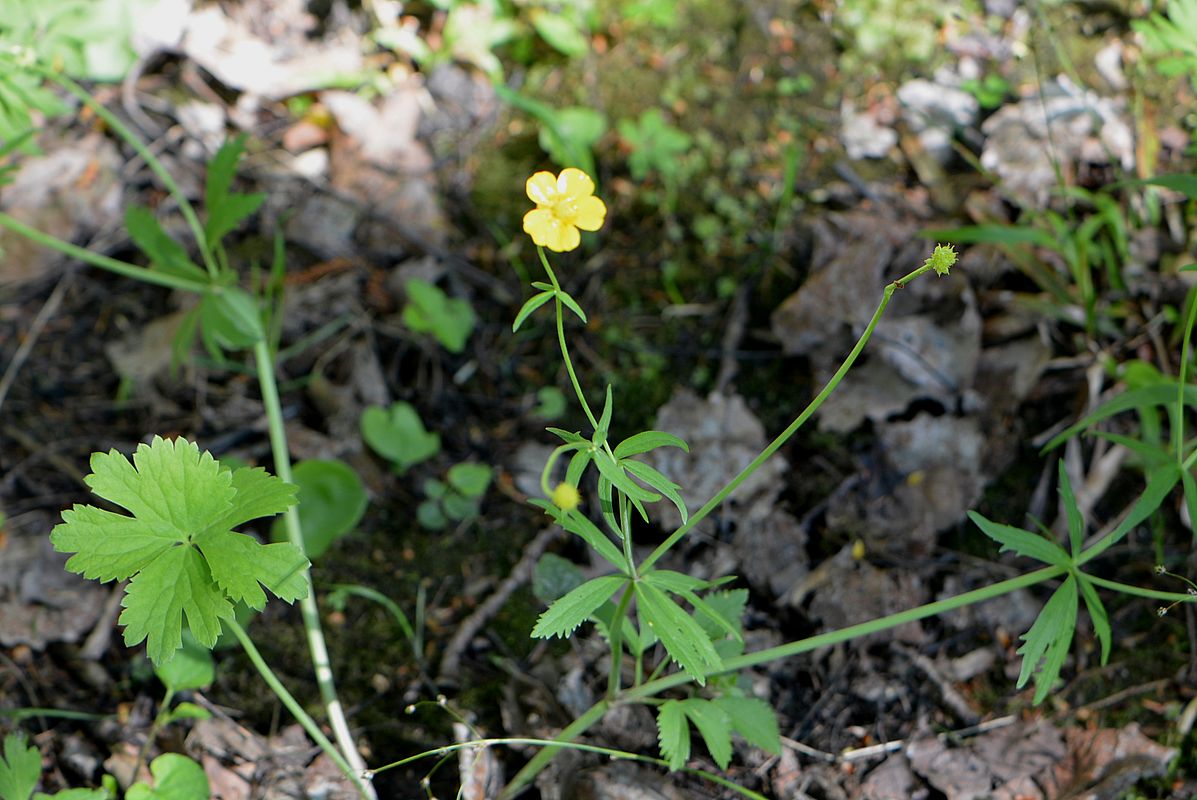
152	161
1138	591
615	637
291	703
793	427
1179	433
853	631
542	758
309	611
646	690
103	262
569	364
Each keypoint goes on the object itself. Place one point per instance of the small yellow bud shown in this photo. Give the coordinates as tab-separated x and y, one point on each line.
566	497
858	549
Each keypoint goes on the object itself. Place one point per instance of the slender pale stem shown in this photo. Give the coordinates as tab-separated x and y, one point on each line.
103	262
152	161
292	705
542	758
308	609
793	427
615	640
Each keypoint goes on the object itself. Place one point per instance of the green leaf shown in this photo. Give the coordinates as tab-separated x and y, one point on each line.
470	479
1185	184
398	434
714	726
684	639
754	719
555	577
430	310
165	254
75	794
645	441
1048	639
332	502
655	144
176	777
571	304
729	607
1022	542
659	482
578	524
1158	394
615	473
673	734
177	548
430	516
20	769
561	33
226	210
1076	525
552	403
1159	485
174	584
604	423
230	319
185	711
191	668
1097	613
565	615
534	302
992	234
572	134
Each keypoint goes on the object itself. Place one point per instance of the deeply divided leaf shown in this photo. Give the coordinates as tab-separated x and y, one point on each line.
754	719
178	549
1046	643
714	726
673	734
565	615
1022	542
684	639
20	769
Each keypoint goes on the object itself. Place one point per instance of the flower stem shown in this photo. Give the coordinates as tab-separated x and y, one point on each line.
655	686
292	705
1138	591
103	262
569	364
309	611
793	427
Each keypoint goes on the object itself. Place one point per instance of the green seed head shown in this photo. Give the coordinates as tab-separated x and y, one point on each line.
942	259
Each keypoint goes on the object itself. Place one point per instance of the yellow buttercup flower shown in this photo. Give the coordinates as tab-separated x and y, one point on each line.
564	204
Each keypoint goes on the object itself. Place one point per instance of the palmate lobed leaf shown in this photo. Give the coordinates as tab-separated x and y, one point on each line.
20	768
177	548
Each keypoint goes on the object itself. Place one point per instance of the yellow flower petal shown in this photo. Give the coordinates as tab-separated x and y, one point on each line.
570	238
542	226
542	189
574	183
590	213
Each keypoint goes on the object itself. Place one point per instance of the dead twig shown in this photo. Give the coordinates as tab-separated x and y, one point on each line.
48	310
520	574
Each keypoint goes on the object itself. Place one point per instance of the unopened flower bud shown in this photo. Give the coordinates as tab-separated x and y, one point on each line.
566	497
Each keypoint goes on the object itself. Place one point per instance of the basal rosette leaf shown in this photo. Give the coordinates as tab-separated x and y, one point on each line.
178	550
